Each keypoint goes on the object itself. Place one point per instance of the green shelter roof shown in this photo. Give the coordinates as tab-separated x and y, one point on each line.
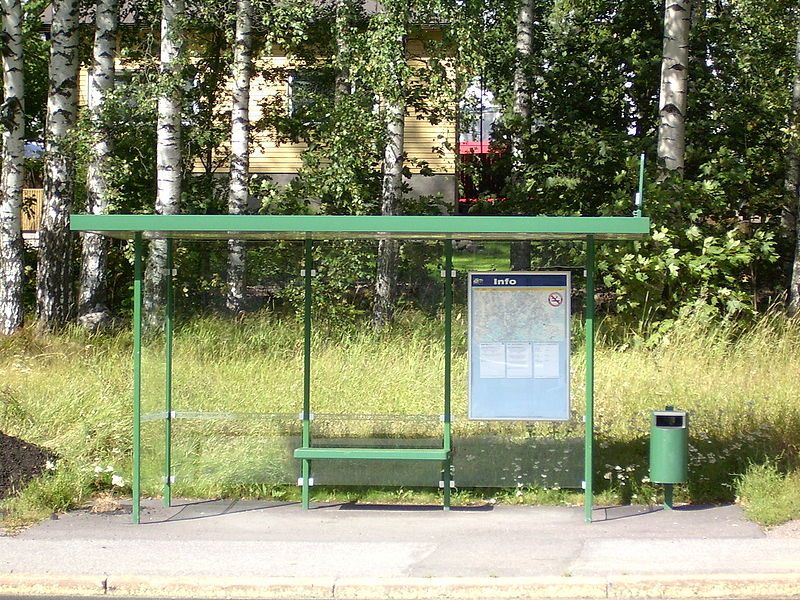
320	227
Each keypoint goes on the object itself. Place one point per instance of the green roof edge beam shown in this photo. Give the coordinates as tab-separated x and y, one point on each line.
358	227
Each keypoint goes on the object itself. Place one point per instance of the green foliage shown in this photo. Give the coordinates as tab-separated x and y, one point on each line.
699	259
769	494
71	394
720	246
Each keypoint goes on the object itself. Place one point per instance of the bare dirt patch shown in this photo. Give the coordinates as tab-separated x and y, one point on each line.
20	461
787	530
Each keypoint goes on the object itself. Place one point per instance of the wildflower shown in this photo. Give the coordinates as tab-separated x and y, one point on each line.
607	476
117	481
50	465
109	469
98	469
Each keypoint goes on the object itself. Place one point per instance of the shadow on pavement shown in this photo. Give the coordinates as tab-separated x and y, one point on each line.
410	507
205	509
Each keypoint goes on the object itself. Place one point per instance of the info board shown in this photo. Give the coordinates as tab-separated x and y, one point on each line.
519	346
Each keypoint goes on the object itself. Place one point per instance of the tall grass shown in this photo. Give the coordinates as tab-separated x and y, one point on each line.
72	394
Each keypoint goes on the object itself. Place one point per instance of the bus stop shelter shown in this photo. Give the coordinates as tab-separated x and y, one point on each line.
311	228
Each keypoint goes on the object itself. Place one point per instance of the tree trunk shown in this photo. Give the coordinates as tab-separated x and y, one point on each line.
168	155
521	251
344	12
13	118
674	80
793	188
522	104
389	250
92	295
54	276
388	258
240	161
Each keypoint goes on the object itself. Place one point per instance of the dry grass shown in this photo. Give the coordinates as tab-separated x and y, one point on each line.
71	393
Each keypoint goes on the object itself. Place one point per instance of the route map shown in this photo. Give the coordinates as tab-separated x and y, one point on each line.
519	345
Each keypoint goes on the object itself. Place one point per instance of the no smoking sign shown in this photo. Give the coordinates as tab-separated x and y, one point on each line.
555	299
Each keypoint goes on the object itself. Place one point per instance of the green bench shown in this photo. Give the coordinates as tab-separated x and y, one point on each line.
316	453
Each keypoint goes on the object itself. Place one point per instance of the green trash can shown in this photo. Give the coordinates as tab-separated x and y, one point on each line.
669	447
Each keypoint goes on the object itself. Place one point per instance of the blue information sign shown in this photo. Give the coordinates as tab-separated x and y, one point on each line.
519	346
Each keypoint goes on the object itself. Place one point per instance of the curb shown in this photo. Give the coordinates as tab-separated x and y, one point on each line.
778	585
712	587
272	588
35	585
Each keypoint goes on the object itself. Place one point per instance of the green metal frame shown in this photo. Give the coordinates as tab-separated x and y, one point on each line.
168	329
307	452
312	227
137	377
588	455
319	227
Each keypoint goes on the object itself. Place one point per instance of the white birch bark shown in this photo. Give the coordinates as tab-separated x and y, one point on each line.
793	188
388	257
240	151
13	120
343	18
674	81
168	154
521	251
92	295
54	277
389	250
522	108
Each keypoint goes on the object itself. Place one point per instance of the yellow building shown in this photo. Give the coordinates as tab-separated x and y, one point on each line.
425	143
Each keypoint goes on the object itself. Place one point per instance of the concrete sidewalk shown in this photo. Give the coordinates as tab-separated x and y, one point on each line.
258	549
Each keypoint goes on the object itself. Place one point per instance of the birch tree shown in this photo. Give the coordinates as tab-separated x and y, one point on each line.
391	190
521	251
240	154
92	293
343	23
674	80
168	152
54	280
13	120
793	188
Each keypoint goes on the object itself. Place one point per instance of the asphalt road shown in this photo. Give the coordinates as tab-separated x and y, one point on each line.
231	549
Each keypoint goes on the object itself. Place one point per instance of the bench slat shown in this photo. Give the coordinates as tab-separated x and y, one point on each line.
373	453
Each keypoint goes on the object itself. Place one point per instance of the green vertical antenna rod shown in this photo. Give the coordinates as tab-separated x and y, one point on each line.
588	457
448	359
168	329
309	263
137	376
639	204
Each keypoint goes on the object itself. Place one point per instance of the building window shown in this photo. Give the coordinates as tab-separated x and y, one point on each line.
481	173
479	115
310	92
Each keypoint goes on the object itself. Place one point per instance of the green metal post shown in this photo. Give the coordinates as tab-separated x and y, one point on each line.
588	457
309	263
640	200
668	496
137	376
448	327
168	328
